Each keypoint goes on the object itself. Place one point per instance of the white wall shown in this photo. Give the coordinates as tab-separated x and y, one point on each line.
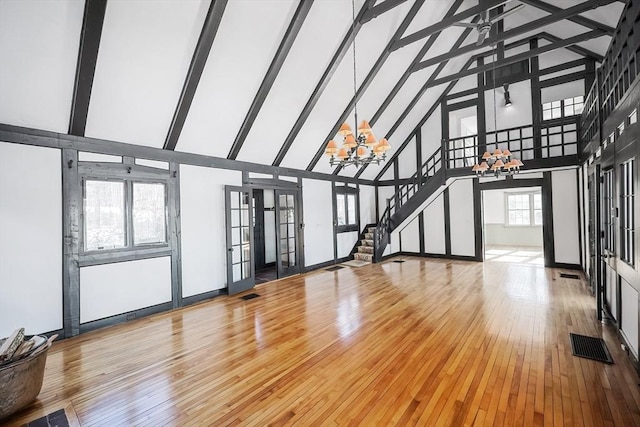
407	160
318	221
434	217
431	134
517	114
346	241
565	216
30	239
410	237
629	314
563	91
384	193
110	289
367	205
461	217
204	247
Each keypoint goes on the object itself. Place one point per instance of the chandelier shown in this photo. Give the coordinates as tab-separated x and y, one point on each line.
362	147
500	162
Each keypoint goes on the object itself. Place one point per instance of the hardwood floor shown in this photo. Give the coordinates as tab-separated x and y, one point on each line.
424	342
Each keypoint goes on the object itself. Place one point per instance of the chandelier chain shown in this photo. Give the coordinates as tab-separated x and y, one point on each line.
353	31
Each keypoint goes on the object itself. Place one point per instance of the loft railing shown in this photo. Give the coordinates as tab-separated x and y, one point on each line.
619	69
456	156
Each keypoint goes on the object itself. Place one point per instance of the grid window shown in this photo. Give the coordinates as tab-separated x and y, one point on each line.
347	208
608	214
104	215
564	108
633	117
524	208
149	225
627	232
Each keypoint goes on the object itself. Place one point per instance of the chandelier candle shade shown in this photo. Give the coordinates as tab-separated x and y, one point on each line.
362	147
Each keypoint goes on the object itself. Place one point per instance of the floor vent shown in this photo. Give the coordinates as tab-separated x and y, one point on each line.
335	267
58	419
569	276
398	260
590	348
249	296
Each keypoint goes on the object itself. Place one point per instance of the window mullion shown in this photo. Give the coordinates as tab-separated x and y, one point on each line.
129	211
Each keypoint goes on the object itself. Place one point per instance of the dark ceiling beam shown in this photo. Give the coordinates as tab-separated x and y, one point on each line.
270	77
574	48
421	123
379	9
324	81
198	62
586	22
92	22
516	58
386	52
445	23
403	79
522	29
422	90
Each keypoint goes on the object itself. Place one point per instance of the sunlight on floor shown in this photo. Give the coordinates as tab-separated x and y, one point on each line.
517	255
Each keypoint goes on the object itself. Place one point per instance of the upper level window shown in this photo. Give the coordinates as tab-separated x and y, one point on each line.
347	208
524	208
608	211
627	229
564	108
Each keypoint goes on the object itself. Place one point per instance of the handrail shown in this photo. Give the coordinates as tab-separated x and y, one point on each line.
557	138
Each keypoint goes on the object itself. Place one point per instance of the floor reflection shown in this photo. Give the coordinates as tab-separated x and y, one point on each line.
533	256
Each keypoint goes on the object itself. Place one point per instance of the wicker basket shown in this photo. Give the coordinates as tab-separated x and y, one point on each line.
21	381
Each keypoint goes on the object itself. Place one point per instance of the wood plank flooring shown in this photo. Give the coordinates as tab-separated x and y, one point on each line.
424	342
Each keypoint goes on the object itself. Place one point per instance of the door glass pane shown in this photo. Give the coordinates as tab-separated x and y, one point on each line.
245	235
149	224
235	199
235	218
341	209
283	246
351	206
283	231
237	272
292	259
246	253
235	236
235	254
104	219
292	230
246	270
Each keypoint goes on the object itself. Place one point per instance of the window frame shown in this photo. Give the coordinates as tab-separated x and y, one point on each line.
532	209
564	104
608	208
128	174
627	212
342	192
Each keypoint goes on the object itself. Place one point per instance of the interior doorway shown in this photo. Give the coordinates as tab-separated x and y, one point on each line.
264	231
512	225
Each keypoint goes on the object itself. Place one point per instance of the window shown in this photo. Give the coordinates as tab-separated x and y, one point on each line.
608	214
524	208
121	214
627	232
347	208
633	117
565	108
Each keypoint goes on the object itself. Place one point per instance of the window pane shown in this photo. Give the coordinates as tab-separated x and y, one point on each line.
342	219
104	217
537	217
546	114
351	204
537	201
149	225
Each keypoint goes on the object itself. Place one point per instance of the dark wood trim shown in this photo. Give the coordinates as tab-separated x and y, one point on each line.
58	332
477	221
565	266
418	150
511	183
585	22
125	317
536	101
468	92
439	256
365	84
573	48
447	221
512	59
174	230
325	264
71	211
304	6
334	204
205	296
377	198
198	62
379	9
554	81
547	220
324	81
42	138
445	23
462	104
523	29
481	113
560	67
396	177
90	35
580	222
421	231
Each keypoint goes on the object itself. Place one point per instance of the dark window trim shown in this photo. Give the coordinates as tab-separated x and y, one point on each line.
346	190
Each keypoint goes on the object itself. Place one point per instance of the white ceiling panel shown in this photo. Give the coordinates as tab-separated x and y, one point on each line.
609	14
370	43
38	53
144	56
246	42
309	57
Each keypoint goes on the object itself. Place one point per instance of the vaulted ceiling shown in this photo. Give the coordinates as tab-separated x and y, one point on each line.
264	81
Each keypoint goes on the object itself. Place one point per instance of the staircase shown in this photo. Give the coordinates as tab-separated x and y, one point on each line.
364	248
